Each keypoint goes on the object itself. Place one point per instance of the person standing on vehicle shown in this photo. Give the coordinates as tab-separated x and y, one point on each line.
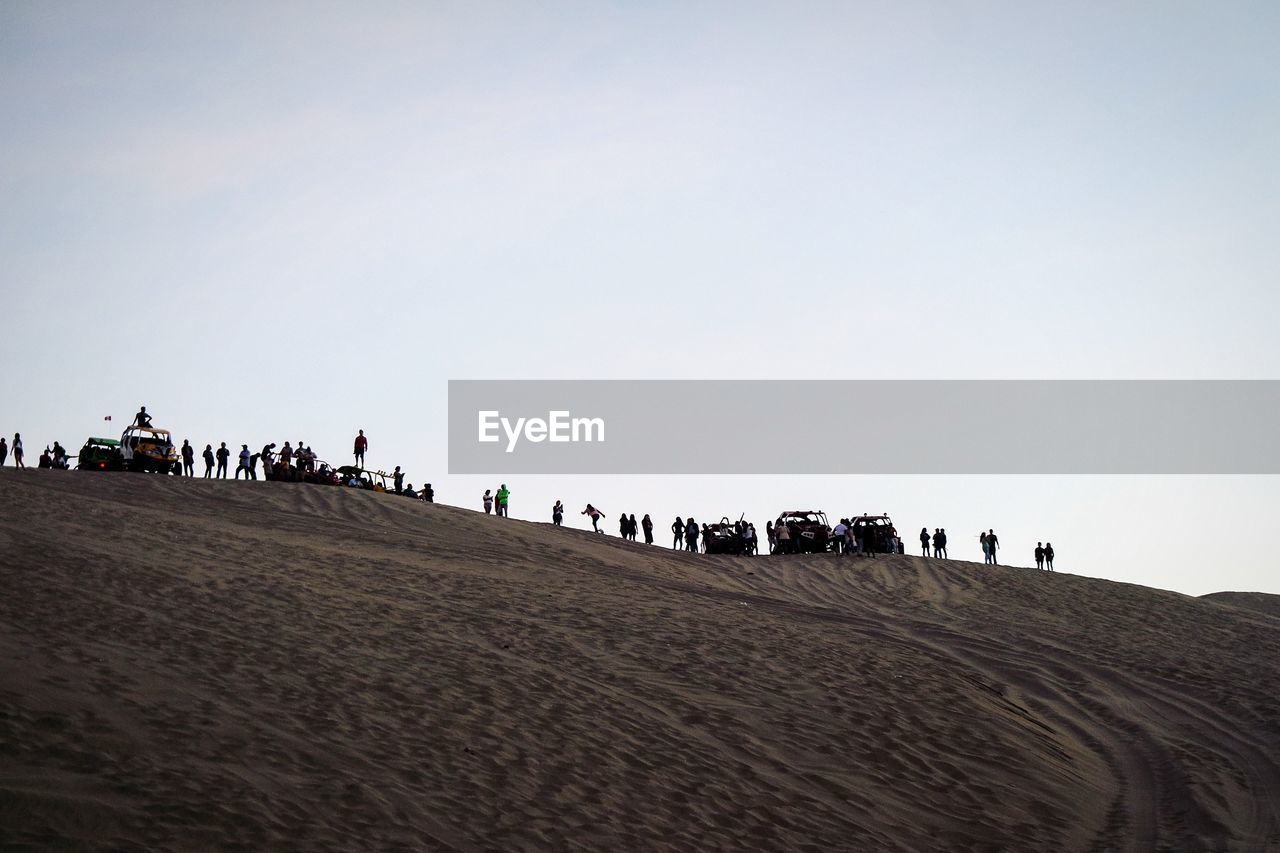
488	502
223	455
208	461
646	524
362	444
244	462
1048	556
557	514
4	451
677	532
504	494
188	458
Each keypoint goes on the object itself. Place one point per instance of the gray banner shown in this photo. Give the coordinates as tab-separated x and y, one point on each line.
864	427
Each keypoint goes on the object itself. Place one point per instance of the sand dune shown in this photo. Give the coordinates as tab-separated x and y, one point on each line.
193	664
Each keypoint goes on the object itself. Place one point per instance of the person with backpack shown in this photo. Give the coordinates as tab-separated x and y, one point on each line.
1039	555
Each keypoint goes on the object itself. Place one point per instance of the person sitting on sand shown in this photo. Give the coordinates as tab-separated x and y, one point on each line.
1039	555
677	532
1048	556
46	461
596	515
409	492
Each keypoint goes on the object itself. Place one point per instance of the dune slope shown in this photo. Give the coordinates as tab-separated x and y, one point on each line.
188	663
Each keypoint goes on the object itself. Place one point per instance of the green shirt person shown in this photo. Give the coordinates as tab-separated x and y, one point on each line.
503	494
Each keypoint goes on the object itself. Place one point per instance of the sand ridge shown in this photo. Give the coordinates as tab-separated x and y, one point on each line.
188	663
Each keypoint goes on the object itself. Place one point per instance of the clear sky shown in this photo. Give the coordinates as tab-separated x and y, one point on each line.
292	220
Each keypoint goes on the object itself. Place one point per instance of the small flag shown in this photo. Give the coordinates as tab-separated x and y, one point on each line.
107	418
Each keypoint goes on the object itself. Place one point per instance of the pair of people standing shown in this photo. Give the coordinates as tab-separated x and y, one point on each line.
990	543
1044	556
499	500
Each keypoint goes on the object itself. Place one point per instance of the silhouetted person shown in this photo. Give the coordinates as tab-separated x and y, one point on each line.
17	451
1048	556
677	533
691	535
4	450
1039	555
429	494
245	457
646	524
142	419
223	455
557	514
924	542
208	461
595	515
993	543
361	445
188	459
398	479
943	534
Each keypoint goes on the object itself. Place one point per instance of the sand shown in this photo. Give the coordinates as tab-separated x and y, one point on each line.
190	664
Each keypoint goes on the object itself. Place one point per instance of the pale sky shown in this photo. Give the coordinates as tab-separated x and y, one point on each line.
289	221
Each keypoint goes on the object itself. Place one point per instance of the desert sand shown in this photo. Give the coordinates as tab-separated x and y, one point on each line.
192	664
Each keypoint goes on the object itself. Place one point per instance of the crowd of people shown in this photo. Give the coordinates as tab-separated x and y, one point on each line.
865	536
